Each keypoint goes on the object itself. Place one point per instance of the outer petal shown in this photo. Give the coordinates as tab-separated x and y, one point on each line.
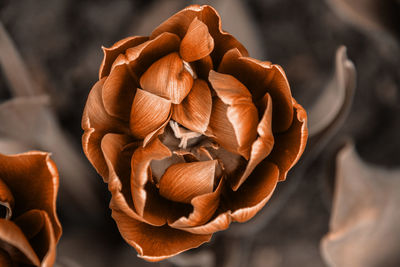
262	146
118	92
148	113
241	112
96	122
156	243
110	54
261	78
197	42
5	259
33	179
18	247
179	24
184	181
6	198
168	78
195	110
219	223
290	145
254	192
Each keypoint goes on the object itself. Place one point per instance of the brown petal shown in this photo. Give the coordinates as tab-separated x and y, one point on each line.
204	207
290	145
195	110
110	54
33	179
140	166
5	259
197	42
96	122
241	112
18	247
254	192
168	78
262	146
202	67
183	181
148	113
219	223
118	92
6	198
261	78
179	24
156	243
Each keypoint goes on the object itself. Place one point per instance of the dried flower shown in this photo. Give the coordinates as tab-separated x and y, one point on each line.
189	132
29	227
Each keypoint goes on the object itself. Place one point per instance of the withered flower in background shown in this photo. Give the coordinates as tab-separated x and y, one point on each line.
189	132
29	227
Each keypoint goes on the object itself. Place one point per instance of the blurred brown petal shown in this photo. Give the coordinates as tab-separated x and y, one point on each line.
254	192
241	112
183	181
6	198
262	146
41	193
261	78
148	113
96	122
289	146
197	42
140	166
118	92
156	243
5	259
195	110
179	23
221	222
168	78
364	225
110	54
204	206
19	248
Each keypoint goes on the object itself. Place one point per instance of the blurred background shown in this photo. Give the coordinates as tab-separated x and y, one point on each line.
53	48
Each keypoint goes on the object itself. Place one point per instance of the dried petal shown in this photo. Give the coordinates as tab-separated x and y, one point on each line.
221	222
168	78
202	67
261	78
118	92
156	243
195	110
197	42
290	145
241	112
148	113
110	54
183	181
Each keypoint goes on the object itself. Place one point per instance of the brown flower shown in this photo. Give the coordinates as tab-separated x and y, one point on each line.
189	132
29	227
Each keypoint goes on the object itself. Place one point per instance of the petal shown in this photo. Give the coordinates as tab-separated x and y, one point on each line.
261	148
290	145
168	78
179	24
261	78
254	192
195	110
33	179
204	207
183	181
140	164
148	113
96	122
219	223
18	246
156	243
197	42
118	92
241	112
6	198
110	54
5	259
202	67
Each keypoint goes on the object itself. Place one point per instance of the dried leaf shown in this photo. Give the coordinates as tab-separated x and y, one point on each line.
365	220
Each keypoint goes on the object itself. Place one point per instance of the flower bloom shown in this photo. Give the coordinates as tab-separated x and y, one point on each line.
29	227
189	132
